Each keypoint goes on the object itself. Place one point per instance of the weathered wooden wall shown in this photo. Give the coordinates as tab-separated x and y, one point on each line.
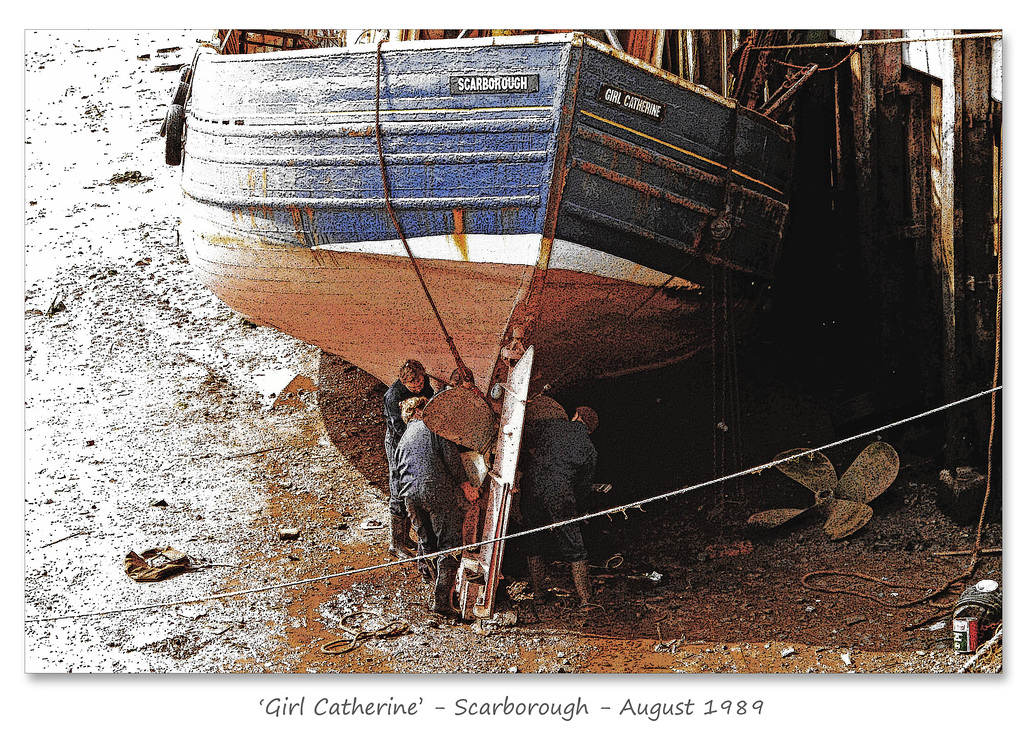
976	257
915	218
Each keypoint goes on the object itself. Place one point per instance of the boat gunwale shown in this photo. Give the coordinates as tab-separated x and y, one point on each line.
575	38
783	129
571	37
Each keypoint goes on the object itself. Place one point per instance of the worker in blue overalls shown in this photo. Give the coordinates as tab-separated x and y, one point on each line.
559	464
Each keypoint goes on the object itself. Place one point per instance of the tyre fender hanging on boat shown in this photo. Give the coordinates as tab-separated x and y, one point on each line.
184	84
180	94
174	131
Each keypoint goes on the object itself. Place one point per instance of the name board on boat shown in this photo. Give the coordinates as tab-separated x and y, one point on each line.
632	102
462	84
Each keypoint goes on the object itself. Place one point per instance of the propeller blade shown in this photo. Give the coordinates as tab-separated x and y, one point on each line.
871	473
813	470
845	517
775	517
461	416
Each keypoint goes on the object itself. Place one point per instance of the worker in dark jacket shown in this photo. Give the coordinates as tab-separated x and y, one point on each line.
412	382
432	479
558	472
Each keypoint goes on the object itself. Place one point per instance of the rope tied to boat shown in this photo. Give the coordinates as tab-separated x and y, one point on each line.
398	228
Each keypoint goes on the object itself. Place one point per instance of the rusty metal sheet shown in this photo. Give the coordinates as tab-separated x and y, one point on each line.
461	416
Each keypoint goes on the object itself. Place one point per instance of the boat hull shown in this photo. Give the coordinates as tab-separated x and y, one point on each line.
579	197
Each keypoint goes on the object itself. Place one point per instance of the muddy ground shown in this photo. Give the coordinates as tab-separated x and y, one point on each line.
153	418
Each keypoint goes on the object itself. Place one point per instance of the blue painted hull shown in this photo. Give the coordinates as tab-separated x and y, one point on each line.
315	143
536	176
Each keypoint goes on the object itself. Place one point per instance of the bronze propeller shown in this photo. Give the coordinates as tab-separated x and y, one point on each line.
844	502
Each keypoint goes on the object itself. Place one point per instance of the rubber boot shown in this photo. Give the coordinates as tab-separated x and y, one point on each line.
444	586
536	566
399	546
407	532
428	570
581	578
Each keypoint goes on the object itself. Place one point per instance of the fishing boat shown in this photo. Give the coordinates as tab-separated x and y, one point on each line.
533	209
459	200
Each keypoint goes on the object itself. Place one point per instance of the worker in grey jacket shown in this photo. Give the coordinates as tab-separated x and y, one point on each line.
432	479
412	382
559	463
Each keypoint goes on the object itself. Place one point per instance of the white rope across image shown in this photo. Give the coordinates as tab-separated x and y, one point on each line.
606	512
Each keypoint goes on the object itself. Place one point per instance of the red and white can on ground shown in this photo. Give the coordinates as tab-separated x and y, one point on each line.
965	635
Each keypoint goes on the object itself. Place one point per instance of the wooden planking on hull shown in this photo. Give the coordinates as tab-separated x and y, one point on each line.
290	225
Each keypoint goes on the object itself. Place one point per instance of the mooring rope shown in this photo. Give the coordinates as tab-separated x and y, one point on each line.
757	469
